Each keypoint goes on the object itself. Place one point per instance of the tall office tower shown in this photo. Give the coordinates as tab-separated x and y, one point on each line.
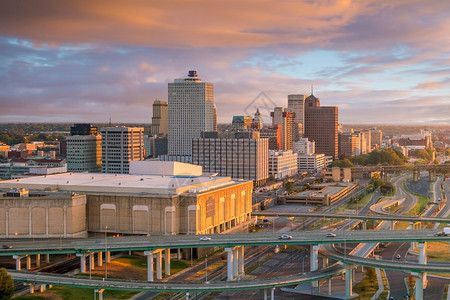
214	118
297	104
257	121
246	157
284	118
349	143
191	111
84	150
120	145
376	137
159	118
363	142
321	126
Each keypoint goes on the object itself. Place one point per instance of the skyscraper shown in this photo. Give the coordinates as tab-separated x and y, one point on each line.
321	126
297	104
120	145
159	118
284	118
191	111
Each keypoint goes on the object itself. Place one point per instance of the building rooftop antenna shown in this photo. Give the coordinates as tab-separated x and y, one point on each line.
312	89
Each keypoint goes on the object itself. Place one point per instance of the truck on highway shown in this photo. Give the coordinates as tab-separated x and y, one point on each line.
445	232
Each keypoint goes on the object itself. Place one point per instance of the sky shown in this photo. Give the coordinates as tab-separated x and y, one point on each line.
92	60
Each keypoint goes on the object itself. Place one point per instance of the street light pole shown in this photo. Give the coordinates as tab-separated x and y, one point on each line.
106	253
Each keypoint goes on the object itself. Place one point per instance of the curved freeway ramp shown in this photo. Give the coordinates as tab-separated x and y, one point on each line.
111	284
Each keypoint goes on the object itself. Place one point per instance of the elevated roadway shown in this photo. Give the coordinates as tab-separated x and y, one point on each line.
217	240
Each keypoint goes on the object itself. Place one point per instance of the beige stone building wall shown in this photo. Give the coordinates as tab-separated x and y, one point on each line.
43	217
207	212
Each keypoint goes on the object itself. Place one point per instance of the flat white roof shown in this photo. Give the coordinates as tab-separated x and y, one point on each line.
120	183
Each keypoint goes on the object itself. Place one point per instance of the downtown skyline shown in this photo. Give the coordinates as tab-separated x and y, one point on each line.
93	60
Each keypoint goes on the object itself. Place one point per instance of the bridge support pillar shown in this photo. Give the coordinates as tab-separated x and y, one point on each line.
432	175
167	262
265	294
419	285
230	263
364	225
82	257
47	258
329	286
187	295
241	260
28	258
91	261
423	260
416	174
272	293
38	260
277	249
235	262
100	294
43	288
314	253
348	280
158	265
31	288
18	264
149	255
178	254
108	256
324	262
99	259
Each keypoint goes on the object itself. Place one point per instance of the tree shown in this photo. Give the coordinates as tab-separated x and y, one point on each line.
371	275
289	186
6	285
376	181
386	188
342	163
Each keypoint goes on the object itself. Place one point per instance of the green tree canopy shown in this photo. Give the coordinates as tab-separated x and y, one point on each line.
6	285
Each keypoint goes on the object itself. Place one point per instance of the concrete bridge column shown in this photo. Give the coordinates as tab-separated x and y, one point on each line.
265	294
432	174
149	255
419	285
28	258
82	257
47	258
178	254
235	262
108	256
99	259
91	261
329	286
348	280
31	288
167	262
100	294
18	264
416	174
272	294
43	288
230	263
314	253
277	249
158	265
324	262
187	295
241	260
38	260
364	225
423	260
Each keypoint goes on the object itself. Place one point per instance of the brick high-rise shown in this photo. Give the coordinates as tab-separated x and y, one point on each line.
321	126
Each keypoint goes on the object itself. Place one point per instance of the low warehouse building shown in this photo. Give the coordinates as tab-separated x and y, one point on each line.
180	203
